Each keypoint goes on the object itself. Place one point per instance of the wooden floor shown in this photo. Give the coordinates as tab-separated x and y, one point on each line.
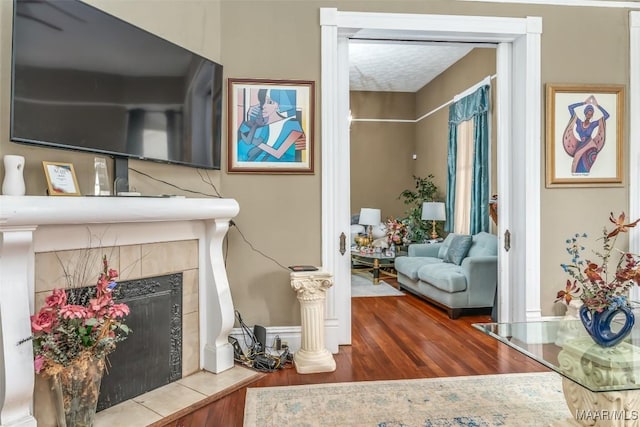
392	338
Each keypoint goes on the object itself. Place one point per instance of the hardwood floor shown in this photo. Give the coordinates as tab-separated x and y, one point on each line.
392	338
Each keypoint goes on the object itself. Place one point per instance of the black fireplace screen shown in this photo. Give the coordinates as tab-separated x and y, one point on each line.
151	356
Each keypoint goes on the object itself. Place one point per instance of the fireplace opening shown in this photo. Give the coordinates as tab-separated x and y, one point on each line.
151	356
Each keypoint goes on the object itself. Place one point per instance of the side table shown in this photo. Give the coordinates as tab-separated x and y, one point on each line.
601	385
377	261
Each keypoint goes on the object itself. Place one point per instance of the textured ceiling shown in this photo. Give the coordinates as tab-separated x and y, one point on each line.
399	66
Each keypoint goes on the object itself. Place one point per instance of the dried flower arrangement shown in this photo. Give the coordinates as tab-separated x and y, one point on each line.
598	285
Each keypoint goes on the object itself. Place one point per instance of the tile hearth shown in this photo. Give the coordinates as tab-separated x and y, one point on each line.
165	401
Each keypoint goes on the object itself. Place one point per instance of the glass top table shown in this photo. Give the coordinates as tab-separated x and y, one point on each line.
565	347
377	260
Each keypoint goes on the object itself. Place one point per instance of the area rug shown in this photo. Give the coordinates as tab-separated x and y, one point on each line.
532	399
364	287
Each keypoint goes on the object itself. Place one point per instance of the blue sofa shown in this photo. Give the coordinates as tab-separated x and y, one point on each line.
461	283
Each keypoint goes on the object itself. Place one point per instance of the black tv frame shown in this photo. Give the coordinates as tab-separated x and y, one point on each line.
121	167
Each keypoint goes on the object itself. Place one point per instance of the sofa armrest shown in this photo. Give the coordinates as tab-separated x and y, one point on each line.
424	249
482	279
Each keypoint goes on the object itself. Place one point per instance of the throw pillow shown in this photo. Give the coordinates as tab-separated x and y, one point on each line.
444	248
458	249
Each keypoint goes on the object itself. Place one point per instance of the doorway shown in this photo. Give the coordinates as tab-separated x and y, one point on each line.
518	101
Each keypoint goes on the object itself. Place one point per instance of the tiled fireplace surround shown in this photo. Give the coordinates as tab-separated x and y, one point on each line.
142	238
134	261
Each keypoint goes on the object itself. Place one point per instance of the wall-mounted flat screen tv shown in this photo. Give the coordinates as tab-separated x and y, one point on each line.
86	80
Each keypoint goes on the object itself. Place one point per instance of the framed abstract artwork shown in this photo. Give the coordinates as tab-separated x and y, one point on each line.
270	126
584	135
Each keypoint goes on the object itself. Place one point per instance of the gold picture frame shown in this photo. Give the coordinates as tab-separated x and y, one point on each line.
584	135
270	126
61	179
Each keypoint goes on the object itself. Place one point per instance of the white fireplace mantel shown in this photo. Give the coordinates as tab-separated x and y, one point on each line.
31	224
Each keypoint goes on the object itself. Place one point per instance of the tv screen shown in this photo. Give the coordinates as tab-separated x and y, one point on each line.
86	80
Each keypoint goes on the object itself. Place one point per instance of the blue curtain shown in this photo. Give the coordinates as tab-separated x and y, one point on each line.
474	106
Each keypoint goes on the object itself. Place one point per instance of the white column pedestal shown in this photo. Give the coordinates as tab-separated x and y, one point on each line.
311	288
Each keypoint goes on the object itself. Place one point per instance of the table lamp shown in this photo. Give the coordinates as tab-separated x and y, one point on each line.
369	217
433	211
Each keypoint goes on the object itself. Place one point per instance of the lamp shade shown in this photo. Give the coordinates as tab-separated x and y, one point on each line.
369	216
433	211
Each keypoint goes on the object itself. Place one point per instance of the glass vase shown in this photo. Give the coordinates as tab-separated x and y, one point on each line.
75	392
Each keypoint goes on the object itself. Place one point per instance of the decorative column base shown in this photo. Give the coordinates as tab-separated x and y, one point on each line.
311	287
600	367
604	409
307	362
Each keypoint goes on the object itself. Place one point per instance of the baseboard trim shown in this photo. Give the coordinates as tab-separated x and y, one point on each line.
291	335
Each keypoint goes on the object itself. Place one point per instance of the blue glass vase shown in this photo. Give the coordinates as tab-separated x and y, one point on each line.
598	325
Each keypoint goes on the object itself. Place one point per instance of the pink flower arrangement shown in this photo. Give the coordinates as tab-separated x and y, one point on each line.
63	331
396	232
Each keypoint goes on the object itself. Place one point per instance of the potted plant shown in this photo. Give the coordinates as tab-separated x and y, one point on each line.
602	285
425	191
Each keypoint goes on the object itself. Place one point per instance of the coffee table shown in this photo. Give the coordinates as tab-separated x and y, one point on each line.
601	385
377	261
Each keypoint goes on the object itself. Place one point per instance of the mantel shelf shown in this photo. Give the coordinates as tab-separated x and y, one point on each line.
44	210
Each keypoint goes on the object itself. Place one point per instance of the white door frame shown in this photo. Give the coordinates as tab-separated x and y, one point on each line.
634	134
518	118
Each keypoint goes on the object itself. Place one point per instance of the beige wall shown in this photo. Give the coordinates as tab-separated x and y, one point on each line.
280	215
381	162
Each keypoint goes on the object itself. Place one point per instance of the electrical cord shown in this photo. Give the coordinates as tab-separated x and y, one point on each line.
217	195
256	357
246	332
209	181
233	224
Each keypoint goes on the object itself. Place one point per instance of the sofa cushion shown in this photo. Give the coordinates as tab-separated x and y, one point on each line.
445	245
444	276
409	265
458	249
484	244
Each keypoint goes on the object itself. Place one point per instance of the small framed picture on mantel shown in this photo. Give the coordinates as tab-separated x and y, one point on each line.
61	179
